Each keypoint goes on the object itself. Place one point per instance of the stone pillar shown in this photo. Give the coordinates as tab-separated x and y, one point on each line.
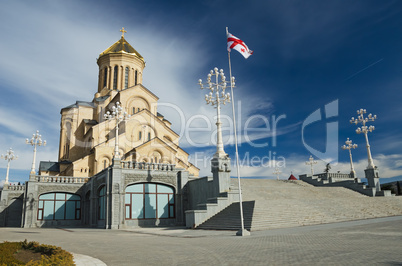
182	179
30	211
373	179
220	168
114	211
32	177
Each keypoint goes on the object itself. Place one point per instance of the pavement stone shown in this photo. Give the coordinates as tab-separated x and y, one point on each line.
364	242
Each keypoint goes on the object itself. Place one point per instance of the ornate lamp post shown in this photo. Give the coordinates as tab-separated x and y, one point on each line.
118	115
349	146
311	162
365	129
277	173
36	140
216	97
8	157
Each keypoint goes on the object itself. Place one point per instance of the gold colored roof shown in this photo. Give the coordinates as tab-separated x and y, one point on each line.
121	46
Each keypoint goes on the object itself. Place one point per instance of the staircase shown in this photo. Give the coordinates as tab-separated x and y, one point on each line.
269	204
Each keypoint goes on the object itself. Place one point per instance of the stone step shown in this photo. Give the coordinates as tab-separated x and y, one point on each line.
272	204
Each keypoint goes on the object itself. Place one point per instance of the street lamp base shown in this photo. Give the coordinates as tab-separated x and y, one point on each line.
243	232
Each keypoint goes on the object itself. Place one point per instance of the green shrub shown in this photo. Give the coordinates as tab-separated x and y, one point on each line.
51	255
7	250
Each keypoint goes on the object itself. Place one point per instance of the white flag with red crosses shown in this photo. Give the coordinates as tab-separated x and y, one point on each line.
238	45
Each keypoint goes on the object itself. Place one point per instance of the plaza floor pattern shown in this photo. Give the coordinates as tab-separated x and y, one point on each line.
364	242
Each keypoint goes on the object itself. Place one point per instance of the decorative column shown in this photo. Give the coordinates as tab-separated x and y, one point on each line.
216	97
364	129
9	157
311	162
220	163
371	171
36	140
277	173
349	146
117	115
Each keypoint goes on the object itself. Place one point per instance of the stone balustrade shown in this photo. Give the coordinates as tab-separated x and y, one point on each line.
61	179
147	166
326	176
14	187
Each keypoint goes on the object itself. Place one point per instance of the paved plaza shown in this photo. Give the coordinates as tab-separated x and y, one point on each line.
365	242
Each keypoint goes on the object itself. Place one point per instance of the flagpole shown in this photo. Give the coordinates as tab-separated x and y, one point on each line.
242	231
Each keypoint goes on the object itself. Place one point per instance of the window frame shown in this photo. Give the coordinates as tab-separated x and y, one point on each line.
101	201
170	206
115	72
105	77
127	70
41	210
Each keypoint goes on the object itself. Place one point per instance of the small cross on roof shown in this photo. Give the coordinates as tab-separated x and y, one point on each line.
122	32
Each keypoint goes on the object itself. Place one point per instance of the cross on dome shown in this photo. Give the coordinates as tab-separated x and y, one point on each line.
122	31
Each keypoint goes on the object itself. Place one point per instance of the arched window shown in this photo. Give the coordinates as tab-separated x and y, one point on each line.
105	77
126	79
135	77
149	135
59	206
105	164
101	203
68	150
133	110
139	135
149	201
116	69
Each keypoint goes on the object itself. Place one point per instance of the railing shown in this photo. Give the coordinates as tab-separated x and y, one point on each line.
61	179
147	166
334	175
14	187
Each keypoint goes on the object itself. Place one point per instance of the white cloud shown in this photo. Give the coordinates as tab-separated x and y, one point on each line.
49	63
388	165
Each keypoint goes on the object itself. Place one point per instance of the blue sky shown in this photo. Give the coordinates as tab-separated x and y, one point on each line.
307	54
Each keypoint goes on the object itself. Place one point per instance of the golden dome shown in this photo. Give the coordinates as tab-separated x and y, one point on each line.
121	47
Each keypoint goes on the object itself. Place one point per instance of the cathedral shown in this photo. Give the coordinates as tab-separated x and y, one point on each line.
87	139
119	163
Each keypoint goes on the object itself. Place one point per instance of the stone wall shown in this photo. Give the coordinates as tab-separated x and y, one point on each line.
23	201
11	205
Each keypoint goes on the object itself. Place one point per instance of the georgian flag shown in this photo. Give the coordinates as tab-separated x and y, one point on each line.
238	45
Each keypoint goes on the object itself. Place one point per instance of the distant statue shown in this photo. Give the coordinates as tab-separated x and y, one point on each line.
327	168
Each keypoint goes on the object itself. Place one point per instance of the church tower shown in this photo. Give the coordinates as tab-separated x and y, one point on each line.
120	67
